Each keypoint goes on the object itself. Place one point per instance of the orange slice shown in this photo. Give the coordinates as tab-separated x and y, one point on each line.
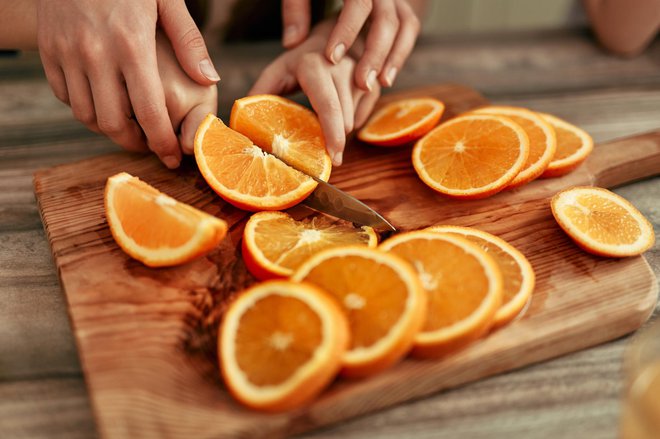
243	174
402	121
275	245
602	222
154	228
542	140
382	298
573	147
471	156
280	344
463	284
518	277
285	129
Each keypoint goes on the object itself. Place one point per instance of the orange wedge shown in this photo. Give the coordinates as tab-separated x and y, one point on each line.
280	344
382	298
518	277
154	228
573	147
402	121
243	174
602	222
463	284
471	156
285	129
542	140
275	245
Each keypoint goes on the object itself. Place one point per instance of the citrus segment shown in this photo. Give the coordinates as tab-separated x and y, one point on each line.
573	146
463	285
244	175
471	156
155	228
280	344
382	298
518	277
602	222
285	129
402	121
275	245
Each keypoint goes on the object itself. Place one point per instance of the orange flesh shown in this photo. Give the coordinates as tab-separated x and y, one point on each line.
567	143
399	118
537	139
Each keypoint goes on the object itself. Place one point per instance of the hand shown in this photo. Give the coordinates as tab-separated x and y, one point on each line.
100	58
339	103
392	34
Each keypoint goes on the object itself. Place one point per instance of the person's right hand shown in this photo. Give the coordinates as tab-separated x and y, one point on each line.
100	58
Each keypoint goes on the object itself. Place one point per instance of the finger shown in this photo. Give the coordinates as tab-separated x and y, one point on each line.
345	95
188	43
349	24
55	77
380	40
190	123
317	84
366	106
274	79
80	98
404	44
296	19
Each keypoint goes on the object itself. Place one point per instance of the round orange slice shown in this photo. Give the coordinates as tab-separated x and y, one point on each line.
602	222
243	174
275	245
280	343
518	277
471	156
402	121
285	129
463	284
382	298
542	140
573	146
154	228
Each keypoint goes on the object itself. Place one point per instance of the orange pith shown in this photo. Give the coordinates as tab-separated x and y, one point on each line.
573	146
402	121
471	156
155	228
275	244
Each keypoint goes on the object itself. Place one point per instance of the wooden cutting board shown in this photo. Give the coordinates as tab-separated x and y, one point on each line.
146	337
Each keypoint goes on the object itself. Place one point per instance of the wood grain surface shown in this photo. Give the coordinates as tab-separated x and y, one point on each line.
146	337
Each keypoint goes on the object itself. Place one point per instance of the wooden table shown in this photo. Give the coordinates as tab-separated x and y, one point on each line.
42	390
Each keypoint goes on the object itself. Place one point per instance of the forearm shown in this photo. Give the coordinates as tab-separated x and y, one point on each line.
18	24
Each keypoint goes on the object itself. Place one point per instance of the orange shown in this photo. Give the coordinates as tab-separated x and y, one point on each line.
542	140
280	343
243	174
382	298
402	121
518	277
471	156
274	244
573	147
463	284
602	222
285	129
156	229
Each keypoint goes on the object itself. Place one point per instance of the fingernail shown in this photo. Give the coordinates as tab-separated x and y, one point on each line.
290	34
337	158
390	76
171	161
371	79
208	70
338	53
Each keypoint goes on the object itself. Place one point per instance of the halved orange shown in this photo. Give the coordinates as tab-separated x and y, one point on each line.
243	174
471	156
154	228
573	146
518	277
285	129
280	343
602	222
275	245
402	121
382	298
542	140
463	284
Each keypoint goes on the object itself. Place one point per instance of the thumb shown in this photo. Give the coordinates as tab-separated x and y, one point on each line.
296	19
191	122
188	43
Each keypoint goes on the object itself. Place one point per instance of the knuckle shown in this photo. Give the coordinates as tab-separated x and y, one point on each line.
192	39
85	115
365	5
309	61
61	96
111	126
414	23
148	112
